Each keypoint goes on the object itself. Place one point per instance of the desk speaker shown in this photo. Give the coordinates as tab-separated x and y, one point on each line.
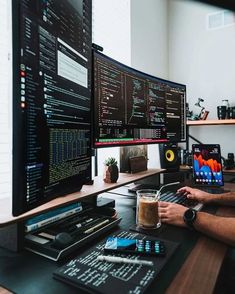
169	157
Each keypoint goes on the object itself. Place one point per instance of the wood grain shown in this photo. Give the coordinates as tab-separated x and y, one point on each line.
200	271
210	122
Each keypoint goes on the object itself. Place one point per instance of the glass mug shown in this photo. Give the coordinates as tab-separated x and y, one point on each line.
147	216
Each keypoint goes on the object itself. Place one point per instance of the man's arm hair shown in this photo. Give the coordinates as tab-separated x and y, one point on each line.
220	228
227	199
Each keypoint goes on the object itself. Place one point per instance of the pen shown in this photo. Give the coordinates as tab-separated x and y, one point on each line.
116	259
79	225
92	229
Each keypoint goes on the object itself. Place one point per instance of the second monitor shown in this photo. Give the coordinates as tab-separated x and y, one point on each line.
132	107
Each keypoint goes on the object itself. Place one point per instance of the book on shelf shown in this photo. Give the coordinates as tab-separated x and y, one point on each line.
51	216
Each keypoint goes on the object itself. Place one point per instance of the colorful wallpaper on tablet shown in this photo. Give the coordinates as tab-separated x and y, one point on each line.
207	167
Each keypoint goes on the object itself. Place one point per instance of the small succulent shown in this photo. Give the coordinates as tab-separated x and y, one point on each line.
110	161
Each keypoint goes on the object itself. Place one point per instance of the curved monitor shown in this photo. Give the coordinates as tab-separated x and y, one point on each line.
52	100
132	107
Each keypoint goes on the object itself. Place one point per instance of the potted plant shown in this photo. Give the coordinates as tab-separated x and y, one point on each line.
110	170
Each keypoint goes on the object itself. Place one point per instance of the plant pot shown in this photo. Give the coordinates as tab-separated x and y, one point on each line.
110	174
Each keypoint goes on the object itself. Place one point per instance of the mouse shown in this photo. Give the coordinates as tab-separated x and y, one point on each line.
62	240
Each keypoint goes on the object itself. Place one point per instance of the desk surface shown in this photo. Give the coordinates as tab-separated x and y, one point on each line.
196	263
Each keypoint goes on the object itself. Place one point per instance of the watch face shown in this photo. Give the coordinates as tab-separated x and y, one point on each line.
190	214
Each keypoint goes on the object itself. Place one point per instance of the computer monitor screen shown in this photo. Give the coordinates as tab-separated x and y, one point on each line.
129	105
175	111
207	167
52	99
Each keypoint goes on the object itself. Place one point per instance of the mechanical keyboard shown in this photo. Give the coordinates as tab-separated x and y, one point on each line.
180	198
171	196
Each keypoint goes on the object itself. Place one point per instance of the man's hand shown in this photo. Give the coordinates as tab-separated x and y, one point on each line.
196	194
172	213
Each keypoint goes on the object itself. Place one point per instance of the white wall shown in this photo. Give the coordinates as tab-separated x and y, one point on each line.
111	28
149	36
203	60
149	46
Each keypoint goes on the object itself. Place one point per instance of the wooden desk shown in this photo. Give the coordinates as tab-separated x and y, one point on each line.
201	269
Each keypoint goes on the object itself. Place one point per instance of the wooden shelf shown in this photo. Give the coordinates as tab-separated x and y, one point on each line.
210	122
98	187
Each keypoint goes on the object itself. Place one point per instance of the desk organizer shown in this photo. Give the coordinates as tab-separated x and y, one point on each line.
74	232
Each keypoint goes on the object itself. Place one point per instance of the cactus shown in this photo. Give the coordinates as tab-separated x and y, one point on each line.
110	161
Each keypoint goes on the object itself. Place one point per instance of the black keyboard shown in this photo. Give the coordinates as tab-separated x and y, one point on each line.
170	196
180	198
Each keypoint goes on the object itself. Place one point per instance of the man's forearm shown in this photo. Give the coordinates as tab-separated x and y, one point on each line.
221	228
227	199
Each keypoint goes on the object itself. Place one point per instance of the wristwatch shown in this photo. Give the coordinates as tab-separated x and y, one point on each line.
190	216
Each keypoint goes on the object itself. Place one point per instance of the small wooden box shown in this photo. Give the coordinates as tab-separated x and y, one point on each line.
137	164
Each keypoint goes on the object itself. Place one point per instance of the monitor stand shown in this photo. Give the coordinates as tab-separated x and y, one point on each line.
12	236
